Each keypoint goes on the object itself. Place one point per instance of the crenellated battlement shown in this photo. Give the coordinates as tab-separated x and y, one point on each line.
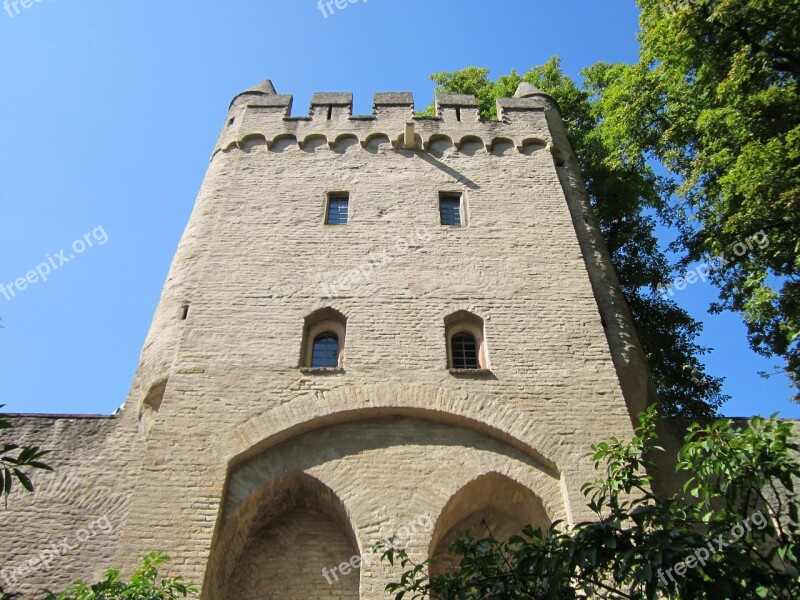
260	115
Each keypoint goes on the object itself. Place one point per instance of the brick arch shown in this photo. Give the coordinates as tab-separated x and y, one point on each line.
374	142
226	147
321	443
439	143
277	538
532	145
335	446
342	454
491	504
314	142
252	140
470	145
501	146
283	142
344	142
353	403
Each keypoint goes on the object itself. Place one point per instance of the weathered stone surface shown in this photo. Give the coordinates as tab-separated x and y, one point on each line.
245	468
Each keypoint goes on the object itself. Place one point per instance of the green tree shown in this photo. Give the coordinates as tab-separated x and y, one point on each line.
621	193
714	99
734	532
145	584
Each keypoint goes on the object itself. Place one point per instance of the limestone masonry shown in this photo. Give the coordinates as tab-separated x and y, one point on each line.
307	388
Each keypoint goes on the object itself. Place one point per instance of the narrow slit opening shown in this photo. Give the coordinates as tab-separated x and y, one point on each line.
184	312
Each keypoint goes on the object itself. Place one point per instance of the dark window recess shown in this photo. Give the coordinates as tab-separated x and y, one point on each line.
464	349
458	114
325	353
231	121
337	211
184	312
330	113
450	210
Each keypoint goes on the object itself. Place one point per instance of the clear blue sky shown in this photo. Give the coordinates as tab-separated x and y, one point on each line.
110	111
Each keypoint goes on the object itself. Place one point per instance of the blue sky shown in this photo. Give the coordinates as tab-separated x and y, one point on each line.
109	114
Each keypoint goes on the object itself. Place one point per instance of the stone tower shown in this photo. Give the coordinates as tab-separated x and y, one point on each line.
374	326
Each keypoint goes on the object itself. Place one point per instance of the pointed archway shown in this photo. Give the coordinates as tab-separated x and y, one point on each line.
493	504
280	543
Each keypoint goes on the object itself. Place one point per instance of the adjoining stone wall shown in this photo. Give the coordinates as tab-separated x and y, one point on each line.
70	527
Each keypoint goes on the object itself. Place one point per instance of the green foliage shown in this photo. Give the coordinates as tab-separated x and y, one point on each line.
735	530
715	99
14	460
145	584
621	193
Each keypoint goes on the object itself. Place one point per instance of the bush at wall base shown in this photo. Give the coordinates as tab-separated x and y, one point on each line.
732	533
145	584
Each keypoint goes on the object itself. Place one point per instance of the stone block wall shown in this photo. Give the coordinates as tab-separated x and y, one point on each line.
256	474
71	526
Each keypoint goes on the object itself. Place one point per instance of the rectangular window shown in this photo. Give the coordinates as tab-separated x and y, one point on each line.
450	209
338	205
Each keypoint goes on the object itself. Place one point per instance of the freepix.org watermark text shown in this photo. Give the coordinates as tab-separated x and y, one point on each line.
44	559
52	262
676	6
704	555
326	7
356	276
12	7
405	533
713	263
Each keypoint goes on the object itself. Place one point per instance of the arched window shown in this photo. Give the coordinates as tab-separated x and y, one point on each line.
323	345
325	353
464	350
466	342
